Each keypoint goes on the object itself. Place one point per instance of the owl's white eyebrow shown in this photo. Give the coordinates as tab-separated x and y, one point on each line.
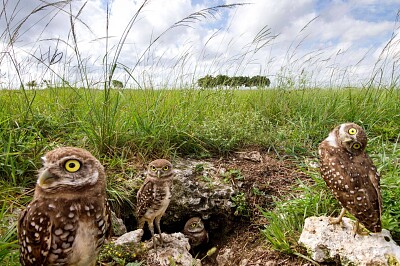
43	159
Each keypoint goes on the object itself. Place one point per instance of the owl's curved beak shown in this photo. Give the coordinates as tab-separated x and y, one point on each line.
347	140
158	173
44	177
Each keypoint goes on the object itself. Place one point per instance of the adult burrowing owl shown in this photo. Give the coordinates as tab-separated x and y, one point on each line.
154	196
69	218
195	231
351	175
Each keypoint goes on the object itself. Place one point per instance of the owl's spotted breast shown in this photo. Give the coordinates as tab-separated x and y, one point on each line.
63	231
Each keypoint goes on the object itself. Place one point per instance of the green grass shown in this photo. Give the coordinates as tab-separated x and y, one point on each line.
166	122
286	220
12	200
145	124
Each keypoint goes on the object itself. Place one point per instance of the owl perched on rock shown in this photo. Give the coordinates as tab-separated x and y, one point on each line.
154	195
351	176
68	219
195	231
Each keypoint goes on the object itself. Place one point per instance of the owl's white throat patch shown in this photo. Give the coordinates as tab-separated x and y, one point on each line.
332	140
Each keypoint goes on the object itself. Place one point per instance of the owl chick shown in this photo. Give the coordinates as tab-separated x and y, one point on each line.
195	231
154	195
352	176
68	218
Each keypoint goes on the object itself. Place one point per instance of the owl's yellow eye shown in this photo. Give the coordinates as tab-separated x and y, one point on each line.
166	168
356	146
153	168
352	131
72	165
193	225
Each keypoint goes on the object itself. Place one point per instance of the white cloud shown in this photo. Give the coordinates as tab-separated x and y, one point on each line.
314	37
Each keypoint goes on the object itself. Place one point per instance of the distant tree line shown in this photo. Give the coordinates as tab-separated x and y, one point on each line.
223	80
33	84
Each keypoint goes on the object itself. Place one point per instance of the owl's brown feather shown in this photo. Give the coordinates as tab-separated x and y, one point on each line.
353	179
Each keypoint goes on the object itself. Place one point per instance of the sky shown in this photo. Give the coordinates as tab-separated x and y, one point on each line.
158	43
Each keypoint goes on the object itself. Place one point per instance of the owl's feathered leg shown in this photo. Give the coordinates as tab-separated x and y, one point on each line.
157	220
338	220
141	223
151	227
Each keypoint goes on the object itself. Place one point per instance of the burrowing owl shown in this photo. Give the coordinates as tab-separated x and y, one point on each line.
195	231
69	218
154	196
351	175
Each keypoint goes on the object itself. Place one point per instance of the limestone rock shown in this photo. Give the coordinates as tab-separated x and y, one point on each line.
118	226
326	242
224	257
132	236
254	156
200	185
175	251
199	190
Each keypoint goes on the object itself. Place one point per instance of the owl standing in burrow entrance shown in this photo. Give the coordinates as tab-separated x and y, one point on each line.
194	229
154	196
352	176
68	219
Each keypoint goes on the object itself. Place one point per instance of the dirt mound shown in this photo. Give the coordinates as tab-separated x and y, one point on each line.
260	176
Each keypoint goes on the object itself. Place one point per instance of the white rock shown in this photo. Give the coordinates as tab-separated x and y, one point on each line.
175	251
118	226
326	242
132	236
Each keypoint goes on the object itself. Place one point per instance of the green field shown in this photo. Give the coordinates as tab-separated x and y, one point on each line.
116	125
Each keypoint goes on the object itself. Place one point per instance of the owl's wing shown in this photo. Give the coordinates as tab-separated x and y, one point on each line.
107	213
34	235
144	197
373	173
375	180
103	221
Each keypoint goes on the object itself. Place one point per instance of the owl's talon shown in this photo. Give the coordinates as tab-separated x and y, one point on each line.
160	240
163	240
333	220
338	220
359	229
